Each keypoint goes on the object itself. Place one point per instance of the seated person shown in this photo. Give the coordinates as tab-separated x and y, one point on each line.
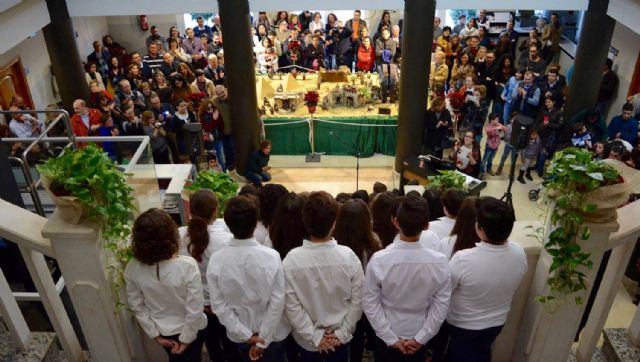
258	164
581	137
624	126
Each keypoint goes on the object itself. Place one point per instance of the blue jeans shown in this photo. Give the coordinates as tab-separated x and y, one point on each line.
229	153
274	353
508	150
340	355
257	177
219	147
542	158
487	159
506	112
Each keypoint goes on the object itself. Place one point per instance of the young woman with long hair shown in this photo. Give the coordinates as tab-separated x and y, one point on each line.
204	235
381	217
286	230
463	235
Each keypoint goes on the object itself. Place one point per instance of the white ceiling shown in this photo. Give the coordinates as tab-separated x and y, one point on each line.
627	12
6	4
157	7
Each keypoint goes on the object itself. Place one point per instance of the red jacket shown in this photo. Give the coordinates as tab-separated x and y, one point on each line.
79	129
366	58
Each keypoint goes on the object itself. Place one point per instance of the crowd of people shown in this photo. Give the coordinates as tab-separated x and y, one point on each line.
474	80
480	87
313	278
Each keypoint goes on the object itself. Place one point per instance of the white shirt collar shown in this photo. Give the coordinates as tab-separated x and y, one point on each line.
397	243
243	242
492	247
327	244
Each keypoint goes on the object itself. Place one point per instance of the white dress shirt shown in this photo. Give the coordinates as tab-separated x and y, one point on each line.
447	244
442	227
431	241
261	233
219	237
484	280
166	297
406	292
324	291
246	281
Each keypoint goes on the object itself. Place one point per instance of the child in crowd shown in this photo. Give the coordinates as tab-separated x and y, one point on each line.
212	163
529	156
451	201
598	151
509	150
581	137
484	280
493	130
323	286
415	285
164	289
247	287
204	235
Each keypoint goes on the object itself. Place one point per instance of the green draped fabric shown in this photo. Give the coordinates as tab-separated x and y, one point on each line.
333	136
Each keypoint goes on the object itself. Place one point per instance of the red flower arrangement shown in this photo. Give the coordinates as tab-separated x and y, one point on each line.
311	98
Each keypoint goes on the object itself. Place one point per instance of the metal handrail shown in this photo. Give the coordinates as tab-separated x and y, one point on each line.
24	162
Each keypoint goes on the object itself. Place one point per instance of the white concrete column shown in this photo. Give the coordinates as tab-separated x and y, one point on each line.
548	337
634	328
82	260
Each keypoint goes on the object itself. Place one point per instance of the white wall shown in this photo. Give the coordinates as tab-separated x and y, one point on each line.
88	29
37	67
628	44
126	31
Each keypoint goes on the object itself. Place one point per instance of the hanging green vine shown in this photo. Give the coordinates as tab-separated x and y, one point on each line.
573	174
90	175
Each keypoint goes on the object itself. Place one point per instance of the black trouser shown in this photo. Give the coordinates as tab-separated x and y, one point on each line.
363	334
466	345
193	352
384	353
219	346
161	157
438	344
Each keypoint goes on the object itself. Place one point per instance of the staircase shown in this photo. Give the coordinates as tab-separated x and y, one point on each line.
617	346
42	347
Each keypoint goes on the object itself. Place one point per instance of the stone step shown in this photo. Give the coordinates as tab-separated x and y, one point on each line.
617	346
42	346
598	356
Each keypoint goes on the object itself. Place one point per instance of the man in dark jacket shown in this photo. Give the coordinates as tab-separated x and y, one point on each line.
258	165
342	45
608	87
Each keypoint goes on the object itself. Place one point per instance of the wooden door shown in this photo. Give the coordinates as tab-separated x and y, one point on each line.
14	82
634	87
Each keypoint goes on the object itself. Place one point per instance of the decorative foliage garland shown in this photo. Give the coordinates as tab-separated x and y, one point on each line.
90	175
573	176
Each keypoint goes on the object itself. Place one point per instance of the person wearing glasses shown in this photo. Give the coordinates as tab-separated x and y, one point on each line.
466	155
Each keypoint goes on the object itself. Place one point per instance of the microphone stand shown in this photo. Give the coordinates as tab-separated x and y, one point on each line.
357	153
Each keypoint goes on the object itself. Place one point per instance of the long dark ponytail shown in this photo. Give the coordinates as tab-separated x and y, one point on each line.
203	207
